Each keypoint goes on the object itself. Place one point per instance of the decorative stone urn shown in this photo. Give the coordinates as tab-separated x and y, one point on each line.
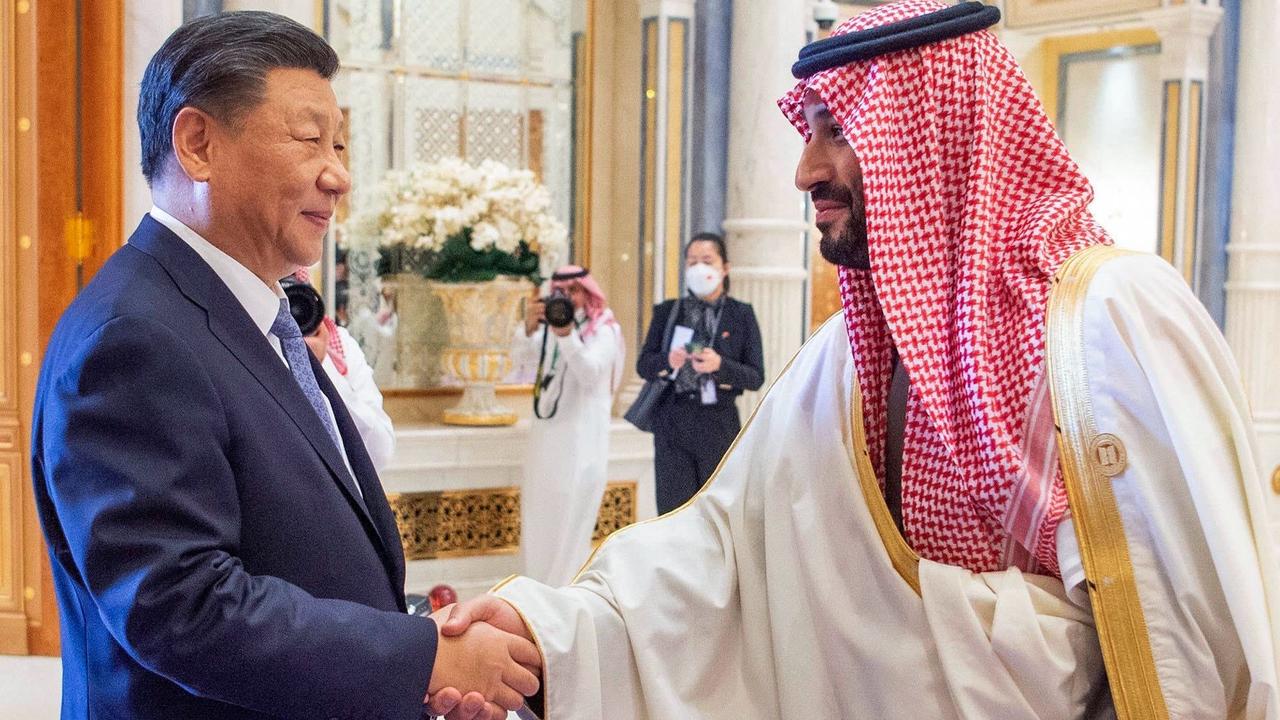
480	317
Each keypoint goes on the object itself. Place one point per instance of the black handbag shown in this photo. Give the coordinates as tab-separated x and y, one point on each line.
642	411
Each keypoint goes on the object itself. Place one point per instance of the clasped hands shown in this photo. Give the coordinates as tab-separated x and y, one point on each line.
704	361
486	662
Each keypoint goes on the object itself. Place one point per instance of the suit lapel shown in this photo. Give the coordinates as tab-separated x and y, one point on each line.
229	322
384	521
246	342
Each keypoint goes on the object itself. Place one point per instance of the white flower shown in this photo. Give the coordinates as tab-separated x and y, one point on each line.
425	205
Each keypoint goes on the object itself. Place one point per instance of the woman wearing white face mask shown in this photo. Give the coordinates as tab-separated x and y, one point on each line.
713	353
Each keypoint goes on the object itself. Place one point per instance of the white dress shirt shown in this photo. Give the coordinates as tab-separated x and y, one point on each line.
260	301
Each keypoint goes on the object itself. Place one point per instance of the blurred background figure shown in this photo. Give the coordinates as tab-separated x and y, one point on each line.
341	287
715	353
580	355
345	364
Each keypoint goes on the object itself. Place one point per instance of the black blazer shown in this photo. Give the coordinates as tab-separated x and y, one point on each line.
211	553
739	345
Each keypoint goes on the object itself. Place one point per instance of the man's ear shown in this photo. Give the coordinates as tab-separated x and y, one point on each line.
193	131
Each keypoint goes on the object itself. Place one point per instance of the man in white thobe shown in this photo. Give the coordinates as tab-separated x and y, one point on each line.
579	365
1014	479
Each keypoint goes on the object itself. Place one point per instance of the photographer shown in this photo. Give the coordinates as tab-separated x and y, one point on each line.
344	363
579	349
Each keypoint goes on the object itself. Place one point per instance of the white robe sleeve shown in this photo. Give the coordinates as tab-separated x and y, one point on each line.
774	595
771	595
608	656
590	362
1162	379
524	351
363	400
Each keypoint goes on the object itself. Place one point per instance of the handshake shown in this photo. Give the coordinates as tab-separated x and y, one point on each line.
486	662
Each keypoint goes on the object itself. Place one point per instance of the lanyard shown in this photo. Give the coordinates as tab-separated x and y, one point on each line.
542	382
715	323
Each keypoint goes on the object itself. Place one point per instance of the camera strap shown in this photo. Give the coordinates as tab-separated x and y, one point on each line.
543	379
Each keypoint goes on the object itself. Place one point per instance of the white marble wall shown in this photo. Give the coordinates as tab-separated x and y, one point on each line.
434	458
765	225
1253	284
146	25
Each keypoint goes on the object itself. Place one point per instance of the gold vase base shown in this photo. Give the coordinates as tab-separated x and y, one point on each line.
451	417
479	407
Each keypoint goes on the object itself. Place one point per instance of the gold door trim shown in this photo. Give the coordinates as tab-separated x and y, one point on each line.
1089	459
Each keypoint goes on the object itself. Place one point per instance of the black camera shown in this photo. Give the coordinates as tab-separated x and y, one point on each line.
305	304
559	309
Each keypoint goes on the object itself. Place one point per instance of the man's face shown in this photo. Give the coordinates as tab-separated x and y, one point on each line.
830	173
578	296
276	177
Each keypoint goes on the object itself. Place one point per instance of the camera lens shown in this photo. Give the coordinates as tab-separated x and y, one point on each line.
305	304
559	310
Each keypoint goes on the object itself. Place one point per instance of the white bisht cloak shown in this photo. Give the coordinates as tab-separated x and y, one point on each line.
566	469
779	592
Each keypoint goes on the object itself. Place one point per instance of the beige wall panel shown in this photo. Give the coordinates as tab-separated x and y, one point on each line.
1024	13
13	619
15	122
615	177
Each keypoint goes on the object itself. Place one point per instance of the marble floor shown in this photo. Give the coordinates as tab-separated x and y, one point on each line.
30	687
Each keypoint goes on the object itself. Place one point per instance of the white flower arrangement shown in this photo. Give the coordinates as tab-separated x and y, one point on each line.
466	222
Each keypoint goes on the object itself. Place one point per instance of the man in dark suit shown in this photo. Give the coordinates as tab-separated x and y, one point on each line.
220	542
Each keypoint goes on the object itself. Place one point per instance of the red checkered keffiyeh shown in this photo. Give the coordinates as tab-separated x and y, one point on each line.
335	350
972	203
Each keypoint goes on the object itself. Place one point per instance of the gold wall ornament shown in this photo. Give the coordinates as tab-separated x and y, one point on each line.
79	231
463	523
1275	480
617	510
458	523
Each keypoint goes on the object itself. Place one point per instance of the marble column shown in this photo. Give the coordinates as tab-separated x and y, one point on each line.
765	223
1253	275
666	66
1184	33
709	152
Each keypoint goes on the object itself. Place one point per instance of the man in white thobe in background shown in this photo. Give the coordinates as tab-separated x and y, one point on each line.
579	367
1014	479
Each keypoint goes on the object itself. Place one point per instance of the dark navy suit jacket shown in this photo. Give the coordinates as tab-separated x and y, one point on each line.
211	553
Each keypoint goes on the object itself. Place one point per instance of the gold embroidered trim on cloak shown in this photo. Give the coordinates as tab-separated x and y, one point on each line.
905	561
1089	460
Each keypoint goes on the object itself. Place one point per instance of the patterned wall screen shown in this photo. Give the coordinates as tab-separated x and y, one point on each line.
421	81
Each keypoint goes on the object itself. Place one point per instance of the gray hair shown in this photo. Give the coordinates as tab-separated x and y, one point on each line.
219	64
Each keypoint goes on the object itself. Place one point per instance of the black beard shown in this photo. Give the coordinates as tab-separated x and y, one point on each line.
849	247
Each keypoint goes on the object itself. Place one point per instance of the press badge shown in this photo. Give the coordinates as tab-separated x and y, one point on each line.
708	391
